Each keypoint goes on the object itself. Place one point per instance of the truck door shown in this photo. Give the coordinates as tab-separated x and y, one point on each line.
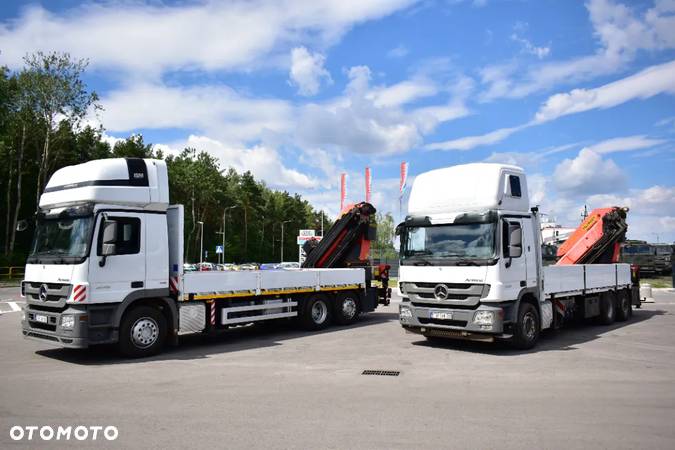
114	276
530	253
513	266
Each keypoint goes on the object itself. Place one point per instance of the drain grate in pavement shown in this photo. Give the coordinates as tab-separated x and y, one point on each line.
384	373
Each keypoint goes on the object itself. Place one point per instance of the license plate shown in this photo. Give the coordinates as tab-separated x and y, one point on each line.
442	315
41	318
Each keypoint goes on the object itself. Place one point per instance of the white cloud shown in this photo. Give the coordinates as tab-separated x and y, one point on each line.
588	174
404	92
214	110
647	83
153	38
307	71
399	51
471	142
372	120
527	46
624	144
263	162
621	31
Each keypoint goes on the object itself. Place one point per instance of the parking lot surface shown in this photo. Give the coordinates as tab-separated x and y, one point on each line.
277	387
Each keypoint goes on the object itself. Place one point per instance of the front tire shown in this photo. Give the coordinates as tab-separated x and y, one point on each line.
347	308
316	313
142	332
528	327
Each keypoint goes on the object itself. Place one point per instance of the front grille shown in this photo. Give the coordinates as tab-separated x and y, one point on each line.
458	294
56	292
449	285
449	323
439	305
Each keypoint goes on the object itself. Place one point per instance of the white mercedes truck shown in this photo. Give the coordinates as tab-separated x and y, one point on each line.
471	263
106	267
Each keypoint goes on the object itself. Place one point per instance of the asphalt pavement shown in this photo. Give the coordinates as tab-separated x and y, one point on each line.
277	387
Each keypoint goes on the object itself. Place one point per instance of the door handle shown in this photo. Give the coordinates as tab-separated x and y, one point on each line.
523	283
136	284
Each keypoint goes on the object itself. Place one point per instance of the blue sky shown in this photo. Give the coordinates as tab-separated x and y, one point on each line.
578	93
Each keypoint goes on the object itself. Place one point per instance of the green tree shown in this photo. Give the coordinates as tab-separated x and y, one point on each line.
53	89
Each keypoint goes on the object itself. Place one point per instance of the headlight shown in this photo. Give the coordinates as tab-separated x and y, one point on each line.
484	317
67	321
405	313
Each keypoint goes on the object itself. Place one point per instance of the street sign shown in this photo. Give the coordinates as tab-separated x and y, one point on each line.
307	233
219	249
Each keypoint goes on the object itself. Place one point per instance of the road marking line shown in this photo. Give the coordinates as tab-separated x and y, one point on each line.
14	306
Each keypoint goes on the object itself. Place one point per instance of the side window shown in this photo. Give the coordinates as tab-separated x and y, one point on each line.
128	240
514	184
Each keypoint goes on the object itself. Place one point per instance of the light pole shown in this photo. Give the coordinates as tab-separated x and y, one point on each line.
282	239
201	244
223	233
322	223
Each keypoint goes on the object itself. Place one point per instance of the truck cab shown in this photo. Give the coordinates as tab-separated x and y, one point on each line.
470	252
100	243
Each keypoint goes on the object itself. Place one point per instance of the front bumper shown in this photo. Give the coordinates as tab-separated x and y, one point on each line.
52	330
461	325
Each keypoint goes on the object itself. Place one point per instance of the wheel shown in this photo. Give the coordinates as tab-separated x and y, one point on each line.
607	308
623	310
316	313
347	307
526	331
142	332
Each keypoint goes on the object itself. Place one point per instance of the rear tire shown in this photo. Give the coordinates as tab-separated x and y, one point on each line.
528	327
316	313
142	332
607	308
623	310
347	307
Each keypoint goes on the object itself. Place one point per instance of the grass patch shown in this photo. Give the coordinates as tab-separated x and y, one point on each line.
658	282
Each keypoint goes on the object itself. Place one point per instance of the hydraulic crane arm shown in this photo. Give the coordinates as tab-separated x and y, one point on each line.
347	243
597	240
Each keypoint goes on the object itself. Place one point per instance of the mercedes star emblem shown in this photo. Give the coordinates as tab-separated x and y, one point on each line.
43	293
441	292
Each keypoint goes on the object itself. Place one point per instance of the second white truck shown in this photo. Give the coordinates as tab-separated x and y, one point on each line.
471	263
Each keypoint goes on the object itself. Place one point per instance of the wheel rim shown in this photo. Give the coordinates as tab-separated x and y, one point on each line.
319	312
529	326
349	308
144	332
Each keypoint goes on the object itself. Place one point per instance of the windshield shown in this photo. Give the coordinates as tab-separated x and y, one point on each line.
63	237
637	250
663	251
448	244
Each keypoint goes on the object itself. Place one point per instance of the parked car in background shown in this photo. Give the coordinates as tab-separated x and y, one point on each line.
187	267
289	265
269	266
206	266
662	258
641	254
248	266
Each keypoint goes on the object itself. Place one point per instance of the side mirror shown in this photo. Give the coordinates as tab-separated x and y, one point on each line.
515	247
108	240
22	225
109	231
398	230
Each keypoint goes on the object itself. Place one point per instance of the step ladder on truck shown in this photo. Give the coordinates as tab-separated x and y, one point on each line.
107	267
471	263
